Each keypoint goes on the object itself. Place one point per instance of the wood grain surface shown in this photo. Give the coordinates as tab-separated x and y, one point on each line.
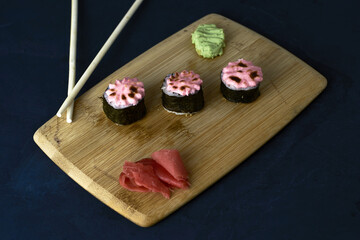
92	149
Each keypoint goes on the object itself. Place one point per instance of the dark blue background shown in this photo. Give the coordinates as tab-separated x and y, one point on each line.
303	184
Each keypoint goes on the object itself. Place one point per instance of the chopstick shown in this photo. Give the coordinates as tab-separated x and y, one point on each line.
72	56
98	57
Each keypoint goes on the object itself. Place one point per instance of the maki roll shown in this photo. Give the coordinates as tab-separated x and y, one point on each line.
182	93
240	81
123	102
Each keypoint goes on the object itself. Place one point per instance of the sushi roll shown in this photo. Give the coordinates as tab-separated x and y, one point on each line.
240	81
123	102
182	93
209	40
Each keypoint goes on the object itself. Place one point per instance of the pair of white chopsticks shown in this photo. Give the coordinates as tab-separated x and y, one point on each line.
74	90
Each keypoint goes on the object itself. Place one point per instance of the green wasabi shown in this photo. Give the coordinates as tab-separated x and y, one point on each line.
208	40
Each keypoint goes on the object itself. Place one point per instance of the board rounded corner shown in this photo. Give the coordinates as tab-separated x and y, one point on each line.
213	14
36	136
324	82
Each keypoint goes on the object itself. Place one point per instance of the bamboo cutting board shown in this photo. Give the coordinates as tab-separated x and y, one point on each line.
92	149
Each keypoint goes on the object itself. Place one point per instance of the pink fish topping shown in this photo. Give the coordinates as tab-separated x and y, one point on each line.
241	74
184	83
125	93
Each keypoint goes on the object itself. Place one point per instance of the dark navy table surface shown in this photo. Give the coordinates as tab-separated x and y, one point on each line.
303	184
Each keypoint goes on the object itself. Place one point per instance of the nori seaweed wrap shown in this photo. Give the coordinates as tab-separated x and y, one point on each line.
125	116
183	104
245	96
123	102
182	93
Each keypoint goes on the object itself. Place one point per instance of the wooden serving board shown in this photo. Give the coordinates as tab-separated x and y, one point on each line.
92	149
